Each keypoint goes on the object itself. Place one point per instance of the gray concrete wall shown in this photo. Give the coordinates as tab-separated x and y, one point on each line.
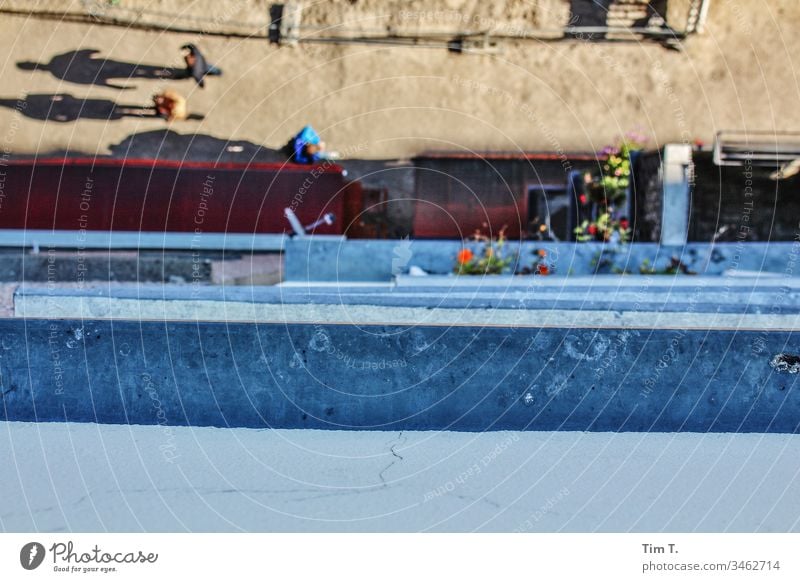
398	377
698	302
79	266
379	260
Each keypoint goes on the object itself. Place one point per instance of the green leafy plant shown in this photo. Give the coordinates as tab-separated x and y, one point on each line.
490	262
604	229
674	267
541	264
611	187
605	262
607	190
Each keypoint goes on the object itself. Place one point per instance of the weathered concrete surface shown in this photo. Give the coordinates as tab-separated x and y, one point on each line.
53	266
82	266
7	291
88	478
141	240
608	301
414	377
247	269
206	311
379	260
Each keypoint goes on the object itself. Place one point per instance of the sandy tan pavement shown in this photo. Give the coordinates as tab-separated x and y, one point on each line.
378	101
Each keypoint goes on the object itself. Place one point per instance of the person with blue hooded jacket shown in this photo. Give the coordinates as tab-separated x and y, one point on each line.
307	148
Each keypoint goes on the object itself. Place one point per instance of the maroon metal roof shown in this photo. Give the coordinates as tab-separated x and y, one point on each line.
494	155
106	194
154	163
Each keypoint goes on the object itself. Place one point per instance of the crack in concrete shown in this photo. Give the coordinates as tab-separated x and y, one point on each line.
46	509
311	494
475	499
398	457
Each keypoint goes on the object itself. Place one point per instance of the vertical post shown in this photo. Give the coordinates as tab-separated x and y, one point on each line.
290	22
698	14
702	16
631	198
275	17
677	163
575	187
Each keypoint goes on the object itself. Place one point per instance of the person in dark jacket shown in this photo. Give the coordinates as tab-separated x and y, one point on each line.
196	65
306	147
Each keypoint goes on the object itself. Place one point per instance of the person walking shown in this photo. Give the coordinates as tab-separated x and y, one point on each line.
170	105
196	65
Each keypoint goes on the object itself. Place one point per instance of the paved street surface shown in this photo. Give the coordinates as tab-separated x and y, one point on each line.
89	477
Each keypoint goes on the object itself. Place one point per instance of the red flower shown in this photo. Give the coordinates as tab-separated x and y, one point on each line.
582	198
623	224
592	230
464	256
543	269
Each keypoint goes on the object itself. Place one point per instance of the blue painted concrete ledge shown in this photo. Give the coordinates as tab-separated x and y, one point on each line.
375	377
313	259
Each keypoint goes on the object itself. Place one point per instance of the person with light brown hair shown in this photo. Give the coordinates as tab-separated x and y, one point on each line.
170	105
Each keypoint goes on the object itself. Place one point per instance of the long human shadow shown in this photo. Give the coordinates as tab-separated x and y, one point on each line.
83	68
168	144
64	108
